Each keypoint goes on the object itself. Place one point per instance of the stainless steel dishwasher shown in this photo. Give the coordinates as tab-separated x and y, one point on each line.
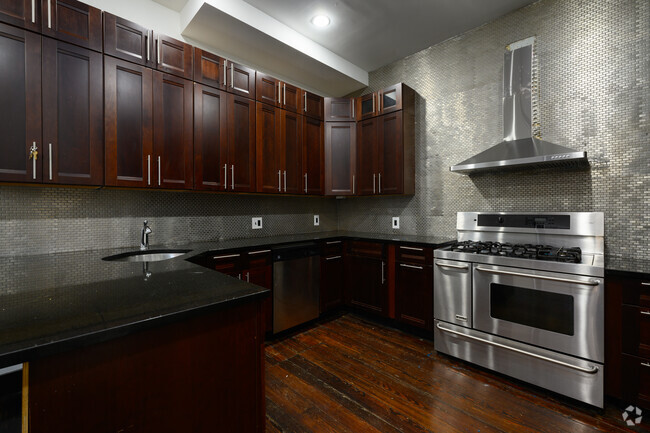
296	284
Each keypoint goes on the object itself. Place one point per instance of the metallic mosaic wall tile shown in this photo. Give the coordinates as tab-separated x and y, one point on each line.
38	220
594	94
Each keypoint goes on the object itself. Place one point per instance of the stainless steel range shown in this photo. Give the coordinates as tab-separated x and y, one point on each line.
523	294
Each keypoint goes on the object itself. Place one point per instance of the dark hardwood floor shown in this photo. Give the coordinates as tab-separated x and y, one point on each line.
353	375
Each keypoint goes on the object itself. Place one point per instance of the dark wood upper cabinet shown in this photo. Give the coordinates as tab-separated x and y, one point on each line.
367	157
290	152
268	168
340	158
72	115
340	109
267	89
210	69
313	155
366	105
291	100
384	101
240	80
20	105
312	105
210	139
241	144
392	169
128	124
173	131
72	21
21	13
127	40
173	56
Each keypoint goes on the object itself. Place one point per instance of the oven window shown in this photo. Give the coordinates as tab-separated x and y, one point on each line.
535	308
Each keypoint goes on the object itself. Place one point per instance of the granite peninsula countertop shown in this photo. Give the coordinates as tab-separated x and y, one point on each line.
52	302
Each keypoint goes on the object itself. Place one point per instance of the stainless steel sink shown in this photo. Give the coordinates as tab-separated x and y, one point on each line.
146	256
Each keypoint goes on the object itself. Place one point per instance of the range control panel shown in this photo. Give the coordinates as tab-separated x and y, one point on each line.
525	221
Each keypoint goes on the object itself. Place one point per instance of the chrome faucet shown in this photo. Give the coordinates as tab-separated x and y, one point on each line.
144	239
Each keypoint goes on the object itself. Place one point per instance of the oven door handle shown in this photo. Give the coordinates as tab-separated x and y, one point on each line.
449	265
539	277
589	370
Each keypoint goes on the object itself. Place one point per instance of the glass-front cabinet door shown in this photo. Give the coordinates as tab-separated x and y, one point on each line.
390	99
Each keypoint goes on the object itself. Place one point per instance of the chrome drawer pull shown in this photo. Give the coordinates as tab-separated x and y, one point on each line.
645	284
647	313
333	242
333	258
228	256
590	370
461	318
412	248
225	72
539	277
645	364
445	265
259	252
411	266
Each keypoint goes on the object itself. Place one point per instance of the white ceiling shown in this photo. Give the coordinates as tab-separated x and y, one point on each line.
276	36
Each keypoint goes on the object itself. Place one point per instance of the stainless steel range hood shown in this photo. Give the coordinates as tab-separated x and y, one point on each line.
519	148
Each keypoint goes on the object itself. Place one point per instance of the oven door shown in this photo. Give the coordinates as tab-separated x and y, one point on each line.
560	312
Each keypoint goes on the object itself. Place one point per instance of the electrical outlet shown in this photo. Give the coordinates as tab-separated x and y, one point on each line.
257	223
316	220
396	223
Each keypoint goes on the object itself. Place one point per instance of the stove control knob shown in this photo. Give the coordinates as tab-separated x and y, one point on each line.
500	220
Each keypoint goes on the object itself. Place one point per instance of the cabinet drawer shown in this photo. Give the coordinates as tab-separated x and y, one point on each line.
636	380
366	249
228	263
258	257
636	330
331	248
413	254
636	292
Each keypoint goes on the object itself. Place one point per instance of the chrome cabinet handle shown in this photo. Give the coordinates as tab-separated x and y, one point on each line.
285	180
252	253
645	284
378	102
158	51
373	103
374	190
146	46
383	266
232	176
305	183
645	364
404	265
227	256
333	242
333	257
379	183
279	94
539	277
446	265
158	170
232	76
646	313
33	155
284	90
411	248
33	11
590	370
148	169
248	277
49	14
305	107
225	72
353	183
225	176
50	144
353	108
280	180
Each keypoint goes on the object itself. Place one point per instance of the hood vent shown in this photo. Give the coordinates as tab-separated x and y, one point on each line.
519	148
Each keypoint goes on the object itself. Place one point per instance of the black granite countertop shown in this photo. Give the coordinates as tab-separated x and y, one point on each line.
62	300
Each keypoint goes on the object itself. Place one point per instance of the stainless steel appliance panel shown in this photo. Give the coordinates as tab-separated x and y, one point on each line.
560	312
296	286
573	377
452	293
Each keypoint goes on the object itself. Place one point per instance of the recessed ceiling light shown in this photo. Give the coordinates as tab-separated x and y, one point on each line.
321	21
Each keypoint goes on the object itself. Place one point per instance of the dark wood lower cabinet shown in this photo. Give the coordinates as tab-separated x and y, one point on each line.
332	266
414	294
204	374
366	281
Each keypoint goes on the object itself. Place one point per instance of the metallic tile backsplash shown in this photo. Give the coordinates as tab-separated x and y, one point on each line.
38	220
593	60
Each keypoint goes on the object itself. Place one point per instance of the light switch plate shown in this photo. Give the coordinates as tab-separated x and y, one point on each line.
257	223
396	223
316	220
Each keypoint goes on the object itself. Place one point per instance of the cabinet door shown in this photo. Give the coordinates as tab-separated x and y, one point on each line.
240	80
263	277
72	114
210	139
73	21
312	105
173	131
267	90
21	13
128	124
367	157
636	330
390	99
20	105
291	98
367	106
226	263
367	288
127	40
331	293
313	155
290	152
414	295
391	154
268	167
636	380
340	158
241	144
209	69
173	56
340	109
